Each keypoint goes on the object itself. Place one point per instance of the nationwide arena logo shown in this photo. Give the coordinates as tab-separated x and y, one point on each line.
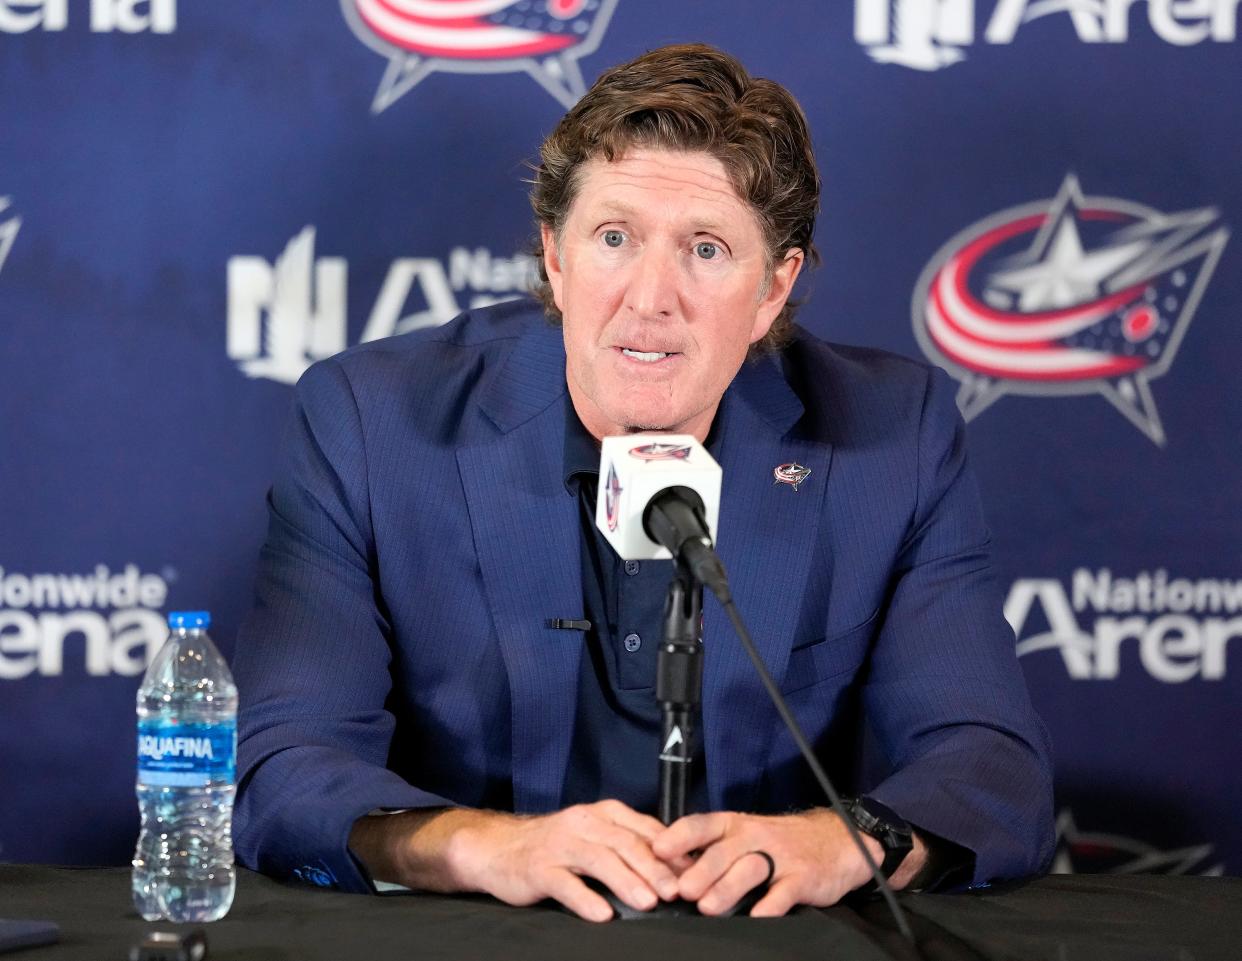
286	314
10	224
1076	295
543	38
106	16
930	34
113	617
1176	629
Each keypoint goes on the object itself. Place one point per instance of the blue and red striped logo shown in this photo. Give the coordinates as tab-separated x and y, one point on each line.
1069	296
543	38
661	451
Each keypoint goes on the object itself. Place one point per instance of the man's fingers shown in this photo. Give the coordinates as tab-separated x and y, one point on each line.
781	896
711	866
567	888
746	872
644	825
690	833
680	864
604	864
636	853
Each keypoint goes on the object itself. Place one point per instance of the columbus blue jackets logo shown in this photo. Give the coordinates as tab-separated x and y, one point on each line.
791	474
612	498
660	451
544	38
1072	296
319	875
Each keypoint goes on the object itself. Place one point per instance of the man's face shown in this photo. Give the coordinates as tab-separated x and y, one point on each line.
660	278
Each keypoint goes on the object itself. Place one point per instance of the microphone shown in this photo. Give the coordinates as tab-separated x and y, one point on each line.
659	497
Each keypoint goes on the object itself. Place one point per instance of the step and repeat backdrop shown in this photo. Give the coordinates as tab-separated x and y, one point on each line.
200	198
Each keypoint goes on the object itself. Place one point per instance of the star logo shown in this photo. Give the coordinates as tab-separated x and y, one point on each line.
791	474
543	38
1071	296
1062	273
9	225
1091	852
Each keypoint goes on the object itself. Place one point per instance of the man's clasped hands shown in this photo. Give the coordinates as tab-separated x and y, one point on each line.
711	859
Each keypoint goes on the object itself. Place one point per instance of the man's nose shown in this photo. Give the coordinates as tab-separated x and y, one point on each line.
652	290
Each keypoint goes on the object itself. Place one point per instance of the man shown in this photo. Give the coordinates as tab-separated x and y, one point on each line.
413	713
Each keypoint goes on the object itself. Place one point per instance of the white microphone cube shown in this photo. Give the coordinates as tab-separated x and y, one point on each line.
636	467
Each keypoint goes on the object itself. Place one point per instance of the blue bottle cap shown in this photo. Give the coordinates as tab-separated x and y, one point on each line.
189	620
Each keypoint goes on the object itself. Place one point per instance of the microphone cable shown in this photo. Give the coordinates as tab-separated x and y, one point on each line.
821	776
674	519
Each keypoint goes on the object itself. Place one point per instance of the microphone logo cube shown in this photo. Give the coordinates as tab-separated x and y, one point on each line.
634	468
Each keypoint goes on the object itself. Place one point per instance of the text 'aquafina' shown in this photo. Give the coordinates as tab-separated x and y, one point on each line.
187	749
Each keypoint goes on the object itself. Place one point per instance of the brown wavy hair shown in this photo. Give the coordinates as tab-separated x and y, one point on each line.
691	97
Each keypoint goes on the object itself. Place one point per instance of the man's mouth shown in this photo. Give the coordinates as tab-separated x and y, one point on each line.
648	356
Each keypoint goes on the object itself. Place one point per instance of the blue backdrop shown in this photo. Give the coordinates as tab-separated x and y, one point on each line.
198	199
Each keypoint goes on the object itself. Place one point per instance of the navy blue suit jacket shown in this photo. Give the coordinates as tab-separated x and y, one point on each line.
421	536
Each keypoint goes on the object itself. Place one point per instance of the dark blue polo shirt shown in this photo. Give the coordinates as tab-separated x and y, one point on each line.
616	738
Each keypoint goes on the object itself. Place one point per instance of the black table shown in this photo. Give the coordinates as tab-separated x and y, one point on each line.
1060	918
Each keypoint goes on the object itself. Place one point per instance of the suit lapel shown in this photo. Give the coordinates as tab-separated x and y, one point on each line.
527	535
767	535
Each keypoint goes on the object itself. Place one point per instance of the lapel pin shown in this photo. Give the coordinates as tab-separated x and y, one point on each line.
791	474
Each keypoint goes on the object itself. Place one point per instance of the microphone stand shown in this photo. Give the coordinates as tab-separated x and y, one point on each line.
679	689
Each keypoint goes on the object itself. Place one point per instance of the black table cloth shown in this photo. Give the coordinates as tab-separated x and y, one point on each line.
1059	918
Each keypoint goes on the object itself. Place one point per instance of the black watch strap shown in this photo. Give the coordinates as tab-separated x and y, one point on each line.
886	826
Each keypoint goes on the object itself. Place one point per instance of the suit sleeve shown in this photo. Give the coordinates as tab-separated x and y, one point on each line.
945	699
312	658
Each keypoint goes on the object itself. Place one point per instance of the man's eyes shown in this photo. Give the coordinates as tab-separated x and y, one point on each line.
703	249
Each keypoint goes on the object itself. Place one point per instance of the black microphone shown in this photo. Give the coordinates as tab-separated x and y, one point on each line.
675	519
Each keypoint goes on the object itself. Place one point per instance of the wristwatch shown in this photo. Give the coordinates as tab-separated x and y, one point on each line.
886	826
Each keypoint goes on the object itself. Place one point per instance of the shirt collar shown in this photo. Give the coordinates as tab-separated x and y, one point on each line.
581	450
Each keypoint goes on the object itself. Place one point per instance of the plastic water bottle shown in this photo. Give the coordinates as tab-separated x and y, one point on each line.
187	748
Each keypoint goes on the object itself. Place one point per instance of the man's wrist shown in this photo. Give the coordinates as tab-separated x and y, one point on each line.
860	873
912	866
424	849
465	843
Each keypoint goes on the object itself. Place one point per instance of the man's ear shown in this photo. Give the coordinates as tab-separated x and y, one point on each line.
784	275
552	264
